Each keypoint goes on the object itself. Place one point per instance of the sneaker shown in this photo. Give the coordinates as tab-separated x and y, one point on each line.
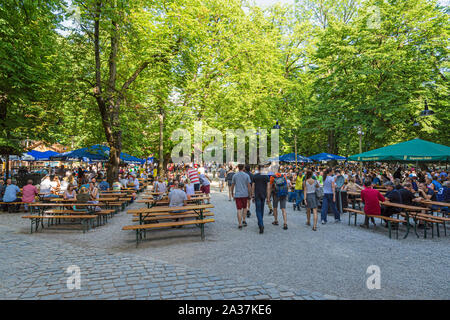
248	214
323	222
294	207
261	229
244	223
270	212
337	221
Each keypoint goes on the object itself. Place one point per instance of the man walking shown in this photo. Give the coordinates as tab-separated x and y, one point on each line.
279	188
299	190
260	191
241	192
221	173
247	171
193	177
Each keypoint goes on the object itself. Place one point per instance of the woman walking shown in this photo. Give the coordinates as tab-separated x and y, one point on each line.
329	196
309	188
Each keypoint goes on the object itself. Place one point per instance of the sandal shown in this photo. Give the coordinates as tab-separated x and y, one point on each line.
314	228
275	223
285	227
308	223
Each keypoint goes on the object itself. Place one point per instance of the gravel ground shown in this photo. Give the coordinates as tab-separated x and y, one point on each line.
331	261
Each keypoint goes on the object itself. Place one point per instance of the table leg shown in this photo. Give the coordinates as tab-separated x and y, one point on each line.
407	225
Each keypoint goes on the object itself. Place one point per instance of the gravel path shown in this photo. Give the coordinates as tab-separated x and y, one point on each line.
332	261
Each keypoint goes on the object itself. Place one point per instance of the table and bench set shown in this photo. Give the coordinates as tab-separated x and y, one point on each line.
159	215
56	210
419	214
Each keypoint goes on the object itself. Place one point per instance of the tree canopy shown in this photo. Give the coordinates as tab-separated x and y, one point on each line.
128	73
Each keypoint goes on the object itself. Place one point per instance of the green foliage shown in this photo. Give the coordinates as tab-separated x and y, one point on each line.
321	67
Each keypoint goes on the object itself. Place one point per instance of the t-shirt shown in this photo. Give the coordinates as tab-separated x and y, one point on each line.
394	196
327	185
11	193
104	185
250	175
117	186
45	186
299	182
193	176
177	198
190	190
432	194
260	181
203	180
161	186
222	173
241	181
230	176
437	185
28	193
407	196
371	198
124	182
443	194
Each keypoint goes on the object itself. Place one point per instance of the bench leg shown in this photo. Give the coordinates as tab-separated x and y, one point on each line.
437	230
137	237
390	229
202	229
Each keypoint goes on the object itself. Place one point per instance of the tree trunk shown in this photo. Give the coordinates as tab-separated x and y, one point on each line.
332	146
7	167
161	142
112	171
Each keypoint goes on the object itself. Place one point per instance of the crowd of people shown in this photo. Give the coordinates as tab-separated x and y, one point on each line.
76	183
312	187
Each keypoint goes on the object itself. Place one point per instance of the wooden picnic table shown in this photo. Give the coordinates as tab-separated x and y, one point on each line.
152	203
144	213
436	203
407	209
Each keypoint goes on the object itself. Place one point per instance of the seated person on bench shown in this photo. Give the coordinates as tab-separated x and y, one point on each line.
10	195
392	195
371	199
443	195
29	193
82	197
177	197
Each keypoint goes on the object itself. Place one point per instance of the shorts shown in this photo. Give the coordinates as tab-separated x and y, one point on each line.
222	180
196	186
241	203
205	189
281	200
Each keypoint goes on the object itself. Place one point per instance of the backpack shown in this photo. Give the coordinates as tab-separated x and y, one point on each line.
281	186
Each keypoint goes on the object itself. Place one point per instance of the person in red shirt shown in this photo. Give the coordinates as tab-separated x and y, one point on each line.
371	199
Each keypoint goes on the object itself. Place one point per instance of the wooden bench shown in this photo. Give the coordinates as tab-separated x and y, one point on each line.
140	228
431	219
389	220
102	215
173	217
86	220
11	205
